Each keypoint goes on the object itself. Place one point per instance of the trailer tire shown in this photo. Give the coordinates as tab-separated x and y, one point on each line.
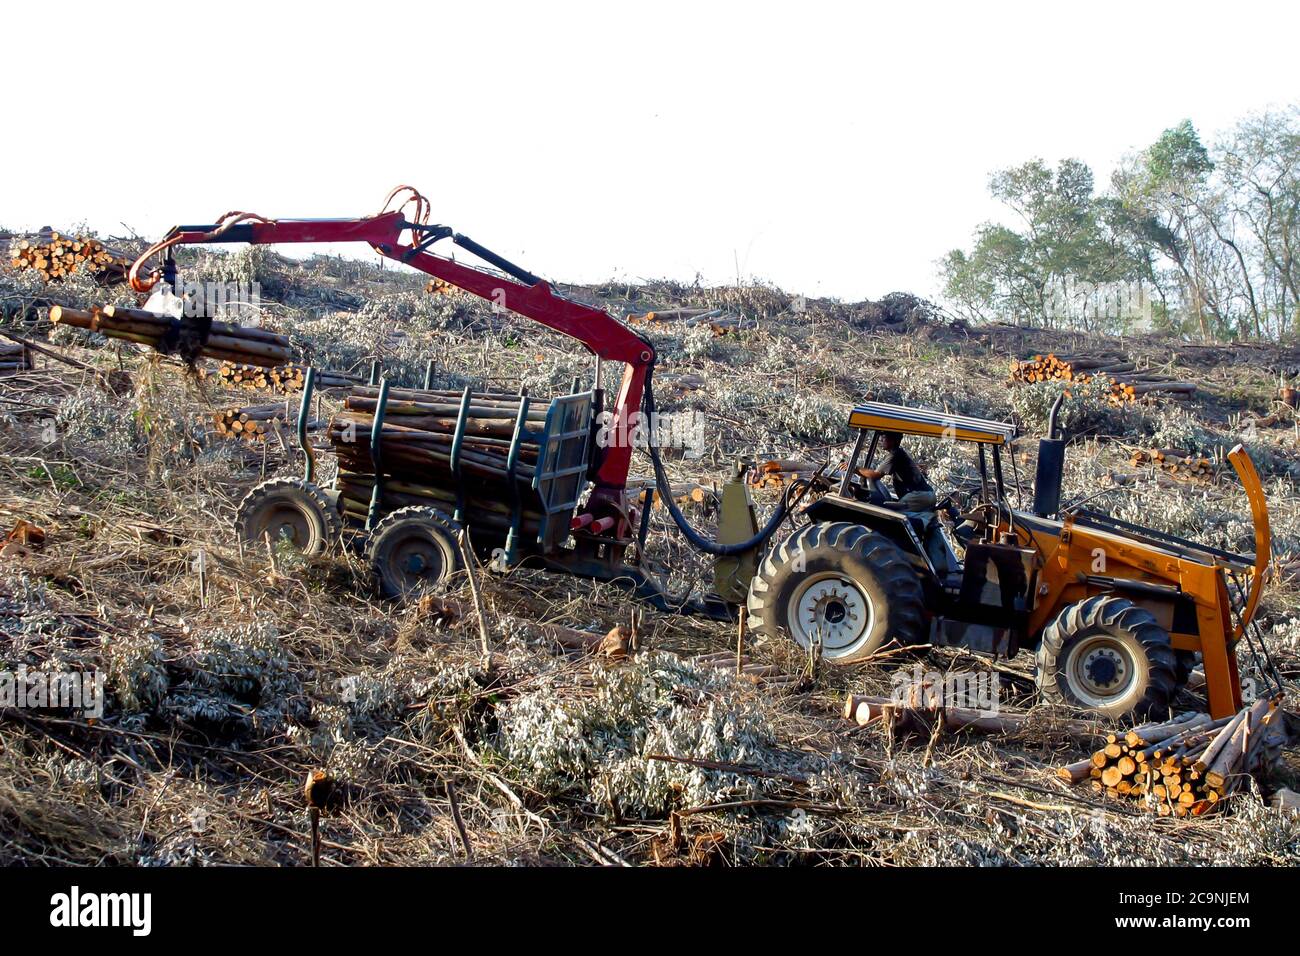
1107	655
289	509
847	582
414	550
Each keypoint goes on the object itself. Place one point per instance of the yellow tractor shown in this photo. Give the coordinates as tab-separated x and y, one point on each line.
1116	614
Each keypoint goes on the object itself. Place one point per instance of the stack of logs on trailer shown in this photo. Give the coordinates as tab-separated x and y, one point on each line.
1127	382
415	453
1185	766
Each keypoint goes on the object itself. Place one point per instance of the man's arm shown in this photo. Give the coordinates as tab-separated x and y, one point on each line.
875	474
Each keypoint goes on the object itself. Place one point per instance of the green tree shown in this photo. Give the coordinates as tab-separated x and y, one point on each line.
1061	248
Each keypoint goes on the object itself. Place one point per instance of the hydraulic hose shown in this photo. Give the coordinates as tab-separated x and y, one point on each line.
696	539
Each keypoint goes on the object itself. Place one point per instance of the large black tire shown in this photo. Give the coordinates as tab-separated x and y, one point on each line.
1185	663
1107	655
843	581
414	550
288	509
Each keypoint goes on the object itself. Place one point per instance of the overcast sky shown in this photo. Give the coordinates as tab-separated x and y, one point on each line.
834	149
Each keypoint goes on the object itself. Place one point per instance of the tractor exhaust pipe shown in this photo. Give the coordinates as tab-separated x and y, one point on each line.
1051	467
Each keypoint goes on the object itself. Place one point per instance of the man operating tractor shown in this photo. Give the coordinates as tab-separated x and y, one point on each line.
910	486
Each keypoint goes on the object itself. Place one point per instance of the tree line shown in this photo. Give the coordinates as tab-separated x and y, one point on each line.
1201	241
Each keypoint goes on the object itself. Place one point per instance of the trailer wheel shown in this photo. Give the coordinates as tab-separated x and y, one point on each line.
413	550
1107	655
841	582
288	509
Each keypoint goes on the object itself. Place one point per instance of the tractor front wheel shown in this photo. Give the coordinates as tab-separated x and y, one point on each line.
840	584
1107	655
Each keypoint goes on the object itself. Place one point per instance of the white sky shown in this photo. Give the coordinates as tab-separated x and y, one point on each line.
833	148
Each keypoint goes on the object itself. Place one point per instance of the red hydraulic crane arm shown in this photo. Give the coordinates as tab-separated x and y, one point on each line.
525	294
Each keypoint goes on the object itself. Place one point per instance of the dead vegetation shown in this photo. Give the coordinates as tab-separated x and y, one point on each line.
234	675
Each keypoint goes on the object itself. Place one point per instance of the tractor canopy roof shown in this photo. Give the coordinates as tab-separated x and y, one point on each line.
878	416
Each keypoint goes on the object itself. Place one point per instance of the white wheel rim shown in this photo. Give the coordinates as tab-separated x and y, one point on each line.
1101	670
833	607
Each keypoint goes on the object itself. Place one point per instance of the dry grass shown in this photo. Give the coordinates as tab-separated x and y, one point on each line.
226	690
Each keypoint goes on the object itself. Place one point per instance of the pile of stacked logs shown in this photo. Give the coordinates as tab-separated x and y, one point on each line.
233	343
718	320
278	379
778	473
1185	766
55	256
415	445
14	357
1127	382
1181	464
252	423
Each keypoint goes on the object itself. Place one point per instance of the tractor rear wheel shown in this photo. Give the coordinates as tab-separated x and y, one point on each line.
839	583
288	510
413	550
1107	655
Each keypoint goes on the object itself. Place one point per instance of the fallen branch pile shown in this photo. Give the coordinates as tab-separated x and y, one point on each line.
279	379
56	256
766	676
1185	766
415	453
14	357
1182	464
235	343
718	320
1127	382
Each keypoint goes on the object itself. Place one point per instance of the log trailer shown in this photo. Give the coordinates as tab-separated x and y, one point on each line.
579	488
1115	614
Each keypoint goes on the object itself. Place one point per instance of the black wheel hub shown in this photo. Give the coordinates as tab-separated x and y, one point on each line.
1103	670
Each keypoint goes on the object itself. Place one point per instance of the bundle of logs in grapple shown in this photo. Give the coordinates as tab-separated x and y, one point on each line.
1127	382
14	357
1188	765
281	379
225	340
415	453
1182	464
56	256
